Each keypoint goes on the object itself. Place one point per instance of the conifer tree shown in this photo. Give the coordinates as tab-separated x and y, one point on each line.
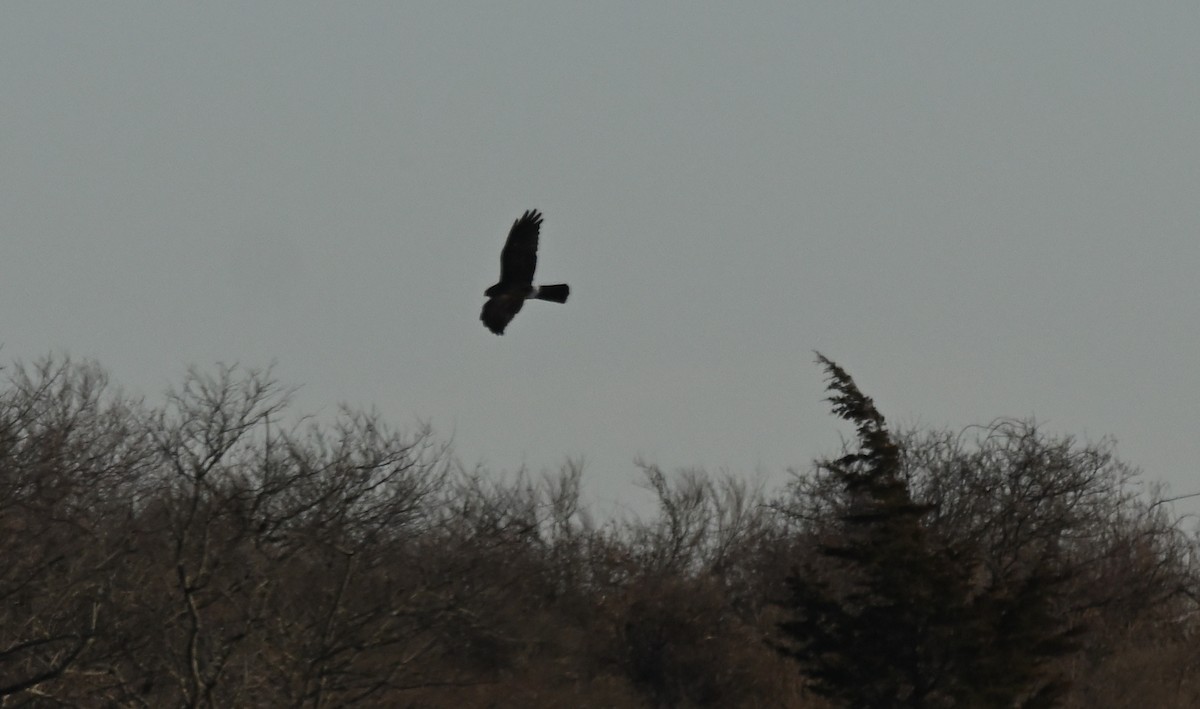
886	615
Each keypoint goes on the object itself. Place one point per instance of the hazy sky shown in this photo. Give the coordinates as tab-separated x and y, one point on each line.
978	209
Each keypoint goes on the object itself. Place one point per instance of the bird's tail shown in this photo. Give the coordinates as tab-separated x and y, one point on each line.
556	293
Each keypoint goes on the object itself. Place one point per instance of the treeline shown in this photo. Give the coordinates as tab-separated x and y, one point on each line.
217	550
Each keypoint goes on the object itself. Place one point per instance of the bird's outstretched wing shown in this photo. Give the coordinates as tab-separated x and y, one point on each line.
518	259
499	310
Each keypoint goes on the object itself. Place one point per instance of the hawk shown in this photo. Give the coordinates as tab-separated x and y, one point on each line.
518	260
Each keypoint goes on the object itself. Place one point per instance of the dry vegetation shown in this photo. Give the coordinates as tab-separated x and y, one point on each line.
211	552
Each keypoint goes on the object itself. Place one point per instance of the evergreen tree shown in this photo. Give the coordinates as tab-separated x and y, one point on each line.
886	615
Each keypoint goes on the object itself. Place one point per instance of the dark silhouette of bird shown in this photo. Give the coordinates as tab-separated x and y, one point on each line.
518	260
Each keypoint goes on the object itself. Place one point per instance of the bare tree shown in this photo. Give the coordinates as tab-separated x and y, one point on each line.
71	452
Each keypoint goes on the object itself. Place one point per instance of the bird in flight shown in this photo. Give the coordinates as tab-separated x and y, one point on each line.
518	260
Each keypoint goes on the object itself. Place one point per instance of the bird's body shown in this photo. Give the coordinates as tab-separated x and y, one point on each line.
518	261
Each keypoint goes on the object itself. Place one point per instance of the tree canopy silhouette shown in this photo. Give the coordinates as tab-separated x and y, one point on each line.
887	614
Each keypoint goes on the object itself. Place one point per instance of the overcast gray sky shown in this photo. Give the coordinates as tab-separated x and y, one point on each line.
978	209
